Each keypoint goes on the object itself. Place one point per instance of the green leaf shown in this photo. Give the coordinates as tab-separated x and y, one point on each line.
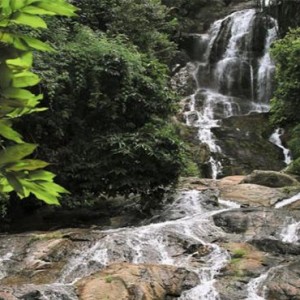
58	7
17	4
15	153
16	93
24	79
29	20
36	44
27	164
5	187
7	132
34	10
23	62
6	37
41	175
15	183
5	7
16	113
40	192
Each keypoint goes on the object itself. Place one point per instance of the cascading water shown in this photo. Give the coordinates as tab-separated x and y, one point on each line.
160	243
276	140
233	77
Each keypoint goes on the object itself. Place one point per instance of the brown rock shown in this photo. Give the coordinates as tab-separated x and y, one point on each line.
128	281
284	283
251	194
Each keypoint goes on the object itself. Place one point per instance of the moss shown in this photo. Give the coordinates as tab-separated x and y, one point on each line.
108	279
294	167
239	253
47	236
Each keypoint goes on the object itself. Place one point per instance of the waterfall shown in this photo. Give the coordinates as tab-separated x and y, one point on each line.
276	140
233	76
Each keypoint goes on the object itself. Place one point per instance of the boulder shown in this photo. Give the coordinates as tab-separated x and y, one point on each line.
252	194
270	179
284	283
235	222
276	246
129	281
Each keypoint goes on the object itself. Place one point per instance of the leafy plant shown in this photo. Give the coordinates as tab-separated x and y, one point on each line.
107	130
24	176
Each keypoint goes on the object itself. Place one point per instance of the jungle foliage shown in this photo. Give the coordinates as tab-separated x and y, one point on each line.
108	128
18	173
285	105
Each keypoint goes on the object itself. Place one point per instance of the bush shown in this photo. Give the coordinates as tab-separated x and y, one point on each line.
107	128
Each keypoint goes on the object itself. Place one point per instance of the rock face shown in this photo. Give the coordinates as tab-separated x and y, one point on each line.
285	284
128	281
270	179
253	150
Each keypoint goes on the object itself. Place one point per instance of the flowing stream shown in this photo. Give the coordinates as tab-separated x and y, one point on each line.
161	243
233	76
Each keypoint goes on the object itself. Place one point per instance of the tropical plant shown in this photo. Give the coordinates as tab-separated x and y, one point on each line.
107	130
17	172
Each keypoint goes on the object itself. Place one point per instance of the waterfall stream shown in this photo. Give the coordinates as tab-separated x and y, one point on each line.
276	140
160	243
233	78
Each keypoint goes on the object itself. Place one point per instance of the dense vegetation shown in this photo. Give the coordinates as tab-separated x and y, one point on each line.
286	102
108	129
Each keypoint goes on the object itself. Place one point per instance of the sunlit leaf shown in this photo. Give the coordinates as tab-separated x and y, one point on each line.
9	133
24	79
15	153
29	20
27	164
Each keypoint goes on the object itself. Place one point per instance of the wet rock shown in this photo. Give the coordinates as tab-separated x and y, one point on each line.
276	246
254	151
38	258
293	206
182	82
284	283
270	179
233	222
128	281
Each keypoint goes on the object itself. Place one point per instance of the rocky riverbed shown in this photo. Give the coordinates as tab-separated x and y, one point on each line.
218	239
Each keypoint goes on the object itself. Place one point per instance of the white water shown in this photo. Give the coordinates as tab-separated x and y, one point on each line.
255	286
276	140
256	289
160	243
3	260
288	201
220	86
291	231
